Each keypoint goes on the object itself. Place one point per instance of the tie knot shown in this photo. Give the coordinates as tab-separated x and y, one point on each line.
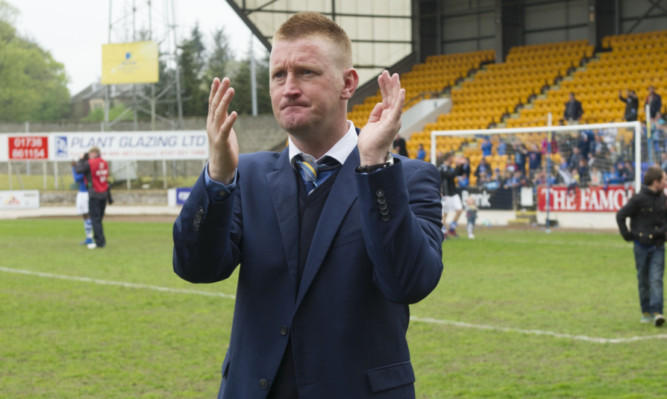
314	172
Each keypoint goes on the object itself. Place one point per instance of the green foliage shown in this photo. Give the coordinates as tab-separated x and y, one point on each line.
242	102
97	114
219	58
192	64
476	336
34	85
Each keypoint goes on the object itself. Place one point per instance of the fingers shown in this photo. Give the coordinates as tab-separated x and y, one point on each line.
220	97
393	96
214	89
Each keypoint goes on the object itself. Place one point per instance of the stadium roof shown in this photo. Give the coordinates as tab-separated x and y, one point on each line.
380	30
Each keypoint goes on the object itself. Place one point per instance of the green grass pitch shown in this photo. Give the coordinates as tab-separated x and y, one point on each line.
517	314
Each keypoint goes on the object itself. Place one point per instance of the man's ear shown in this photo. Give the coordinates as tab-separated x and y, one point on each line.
350	83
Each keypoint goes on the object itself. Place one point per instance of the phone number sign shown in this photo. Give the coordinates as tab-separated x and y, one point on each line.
28	148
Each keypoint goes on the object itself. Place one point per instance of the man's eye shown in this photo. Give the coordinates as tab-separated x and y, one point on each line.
279	75
306	72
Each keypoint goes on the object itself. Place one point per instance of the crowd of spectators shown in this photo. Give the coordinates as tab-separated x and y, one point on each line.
579	159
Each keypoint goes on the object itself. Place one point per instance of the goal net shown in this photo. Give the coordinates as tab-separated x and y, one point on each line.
558	175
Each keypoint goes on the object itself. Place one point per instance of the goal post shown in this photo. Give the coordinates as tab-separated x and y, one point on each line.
555	184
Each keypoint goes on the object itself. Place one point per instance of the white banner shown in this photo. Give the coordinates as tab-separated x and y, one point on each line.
136	146
19	199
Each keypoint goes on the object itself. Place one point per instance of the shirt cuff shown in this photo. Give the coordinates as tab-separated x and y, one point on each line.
217	191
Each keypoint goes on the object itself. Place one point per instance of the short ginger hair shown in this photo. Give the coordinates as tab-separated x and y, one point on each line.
309	23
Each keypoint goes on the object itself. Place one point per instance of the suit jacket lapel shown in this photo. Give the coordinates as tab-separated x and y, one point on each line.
282	187
341	197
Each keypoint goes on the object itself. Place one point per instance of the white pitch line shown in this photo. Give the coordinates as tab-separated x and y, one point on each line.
116	283
412	318
538	332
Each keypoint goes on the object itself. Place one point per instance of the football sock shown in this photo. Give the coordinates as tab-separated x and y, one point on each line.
88	228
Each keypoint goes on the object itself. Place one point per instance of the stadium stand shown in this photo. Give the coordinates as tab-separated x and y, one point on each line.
426	80
535	80
632	61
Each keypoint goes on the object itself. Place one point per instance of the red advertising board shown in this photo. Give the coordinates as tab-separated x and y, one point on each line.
27	148
590	199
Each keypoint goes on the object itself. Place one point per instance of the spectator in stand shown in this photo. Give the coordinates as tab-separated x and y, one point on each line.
465	167
573	110
625	173
554	144
502	148
399	145
520	157
583	172
600	149
573	162
534	160
463	181
493	181
487	147
513	182
648	223
663	164
586	142
596	176
483	167
654	101
567	178
421	153
631	104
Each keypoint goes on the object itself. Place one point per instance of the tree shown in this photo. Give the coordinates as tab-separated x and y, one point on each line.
34	85
219	58
192	64
242	102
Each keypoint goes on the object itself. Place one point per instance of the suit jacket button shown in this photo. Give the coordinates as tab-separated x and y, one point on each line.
385	218
283	330
379	192
263	383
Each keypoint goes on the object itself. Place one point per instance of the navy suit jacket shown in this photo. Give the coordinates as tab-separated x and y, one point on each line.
376	249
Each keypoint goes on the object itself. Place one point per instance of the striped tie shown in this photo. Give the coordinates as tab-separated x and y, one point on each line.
314	173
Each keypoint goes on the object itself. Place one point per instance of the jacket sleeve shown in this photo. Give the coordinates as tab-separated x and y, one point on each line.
206	237
400	222
628	210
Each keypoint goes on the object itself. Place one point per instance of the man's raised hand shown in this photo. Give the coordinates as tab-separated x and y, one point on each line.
384	122
223	155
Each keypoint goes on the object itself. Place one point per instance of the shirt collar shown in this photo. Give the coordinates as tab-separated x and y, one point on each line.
340	151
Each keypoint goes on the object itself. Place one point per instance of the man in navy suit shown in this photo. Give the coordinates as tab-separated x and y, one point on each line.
329	259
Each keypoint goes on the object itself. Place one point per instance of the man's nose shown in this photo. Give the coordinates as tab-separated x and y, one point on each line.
291	85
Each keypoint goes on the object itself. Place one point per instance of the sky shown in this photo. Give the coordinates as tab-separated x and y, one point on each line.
73	31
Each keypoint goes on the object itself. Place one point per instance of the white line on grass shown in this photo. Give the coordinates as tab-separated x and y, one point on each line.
115	283
538	332
412	318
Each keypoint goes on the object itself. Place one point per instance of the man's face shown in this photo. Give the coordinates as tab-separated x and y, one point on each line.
661	183
307	85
